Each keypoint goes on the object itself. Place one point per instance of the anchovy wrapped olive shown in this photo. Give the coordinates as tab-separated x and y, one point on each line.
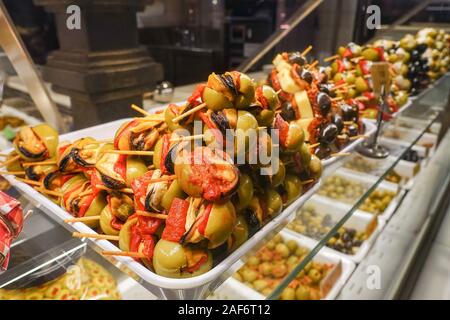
82	153
211	221
206	173
36	143
139	134
268	102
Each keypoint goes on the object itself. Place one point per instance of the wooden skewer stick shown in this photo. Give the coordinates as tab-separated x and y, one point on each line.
124	254
140	110
337	99
305	52
351	71
152	215
187	138
340	154
102	141
189	112
151	167
82	219
85	193
28	181
130	152
166	178
39	163
124	190
331	58
358	136
312	65
49	192
4	154
15	173
307	181
279	91
95	236
315	145
349	122
342	136
362	98
9	161
343	85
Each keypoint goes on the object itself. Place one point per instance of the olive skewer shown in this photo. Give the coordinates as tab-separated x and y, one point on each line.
336	56
189	112
305	52
140	110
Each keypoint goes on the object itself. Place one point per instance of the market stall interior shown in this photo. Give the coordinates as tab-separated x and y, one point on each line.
248	184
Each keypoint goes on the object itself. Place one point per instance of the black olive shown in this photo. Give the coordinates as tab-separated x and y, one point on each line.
351	232
323	151
324	102
111	183
252	220
415	55
296	57
349	113
31	174
421	48
227	80
287	111
221	122
328	134
337	120
306	75
28	154
352	130
324	75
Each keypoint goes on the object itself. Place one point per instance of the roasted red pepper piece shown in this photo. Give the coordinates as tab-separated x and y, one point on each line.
283	129
197	94
128	127
204	223
121	166
176	220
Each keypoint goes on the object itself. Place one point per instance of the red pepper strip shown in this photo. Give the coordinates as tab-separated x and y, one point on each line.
261	99
341	66
198	92
196	266
204	223
139	186
147	225
120	166
165	151
347	53
369	95
149	246
128	127
364	65
176	220
236	79
86	203
95	180
215	131
115	222
380	53
283	129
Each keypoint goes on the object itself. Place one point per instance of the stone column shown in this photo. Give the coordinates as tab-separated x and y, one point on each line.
101	66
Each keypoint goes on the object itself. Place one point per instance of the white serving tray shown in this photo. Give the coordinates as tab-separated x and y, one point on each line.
368	179
359	221
201	283
236	290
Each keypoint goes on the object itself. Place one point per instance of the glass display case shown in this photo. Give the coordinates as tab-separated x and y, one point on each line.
362	218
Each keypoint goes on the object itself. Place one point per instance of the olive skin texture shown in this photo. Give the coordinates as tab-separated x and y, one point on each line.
293	187
170	258
220	224
125	234
173	192
105	222
273	202
244	193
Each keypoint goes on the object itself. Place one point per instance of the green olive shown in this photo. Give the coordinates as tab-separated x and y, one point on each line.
370	54
282	250
157	153
244	192
220	225
95	209
292	245
302	293
361	85
215	100
240	232
173	192
168	117
265	117
274	202
15	165
350	78
135	169
249	275
288	294
305	155
105	222
338	77
293	186
170	260
314	275
125	234
260	284
246	126
315	167
49	136
278	178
